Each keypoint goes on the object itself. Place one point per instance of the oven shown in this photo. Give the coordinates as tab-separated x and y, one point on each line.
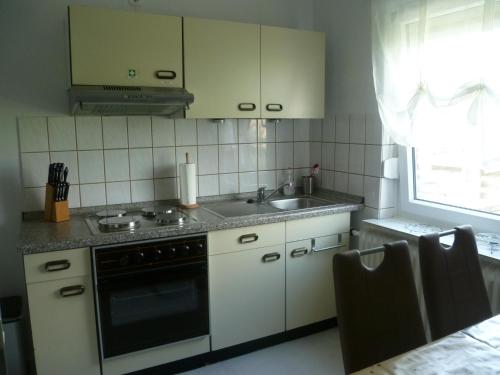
150	294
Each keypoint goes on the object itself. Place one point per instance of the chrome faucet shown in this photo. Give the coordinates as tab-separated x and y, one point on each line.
261	193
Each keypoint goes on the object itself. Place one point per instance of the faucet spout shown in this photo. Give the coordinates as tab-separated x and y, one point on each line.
261	193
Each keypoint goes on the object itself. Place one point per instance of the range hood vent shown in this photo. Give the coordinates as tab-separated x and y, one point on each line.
124	100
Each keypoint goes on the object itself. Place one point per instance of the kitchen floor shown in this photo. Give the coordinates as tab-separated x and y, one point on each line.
314	355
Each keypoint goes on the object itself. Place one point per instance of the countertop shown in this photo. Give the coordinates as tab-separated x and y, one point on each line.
38	236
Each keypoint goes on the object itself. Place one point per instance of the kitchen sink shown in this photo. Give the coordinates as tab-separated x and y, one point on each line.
298	203
237	208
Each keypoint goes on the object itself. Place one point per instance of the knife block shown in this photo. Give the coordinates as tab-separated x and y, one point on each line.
55	211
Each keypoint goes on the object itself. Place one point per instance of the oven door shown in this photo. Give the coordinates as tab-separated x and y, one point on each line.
150	308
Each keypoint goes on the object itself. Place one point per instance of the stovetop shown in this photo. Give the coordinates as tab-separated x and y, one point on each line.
111	220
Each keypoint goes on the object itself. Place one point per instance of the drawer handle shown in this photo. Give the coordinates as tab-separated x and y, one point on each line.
248	107
70	291
165	74
274	107
315	249
247	238
57	265
301	251
271	257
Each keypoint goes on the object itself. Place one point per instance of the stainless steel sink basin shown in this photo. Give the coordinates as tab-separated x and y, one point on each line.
298	203
238	208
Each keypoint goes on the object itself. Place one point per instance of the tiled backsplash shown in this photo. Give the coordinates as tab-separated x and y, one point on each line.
133	159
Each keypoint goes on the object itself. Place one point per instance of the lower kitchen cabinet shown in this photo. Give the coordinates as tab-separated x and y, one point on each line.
247	295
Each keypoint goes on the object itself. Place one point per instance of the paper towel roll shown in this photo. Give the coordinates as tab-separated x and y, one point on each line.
188	183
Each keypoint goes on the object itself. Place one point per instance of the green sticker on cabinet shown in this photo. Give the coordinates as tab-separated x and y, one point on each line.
132	73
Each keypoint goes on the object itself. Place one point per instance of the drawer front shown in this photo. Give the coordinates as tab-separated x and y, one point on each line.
297	230
231	240
57	265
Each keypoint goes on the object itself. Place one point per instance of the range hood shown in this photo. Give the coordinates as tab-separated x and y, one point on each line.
124	100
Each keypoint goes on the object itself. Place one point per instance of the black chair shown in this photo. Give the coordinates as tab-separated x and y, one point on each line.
377	309
454	290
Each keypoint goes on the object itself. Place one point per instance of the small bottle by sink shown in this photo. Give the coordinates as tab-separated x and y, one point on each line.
289	188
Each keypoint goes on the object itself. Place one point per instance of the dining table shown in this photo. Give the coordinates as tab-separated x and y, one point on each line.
474	350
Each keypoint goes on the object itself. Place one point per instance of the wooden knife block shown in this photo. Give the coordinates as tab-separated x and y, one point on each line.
55	211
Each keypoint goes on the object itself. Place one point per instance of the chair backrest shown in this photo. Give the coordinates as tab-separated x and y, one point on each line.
377	309
454	290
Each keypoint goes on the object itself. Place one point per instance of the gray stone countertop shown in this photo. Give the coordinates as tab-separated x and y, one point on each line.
38	236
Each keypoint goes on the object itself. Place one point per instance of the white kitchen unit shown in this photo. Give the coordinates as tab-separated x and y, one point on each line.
222	65
292	73
121	48
62	314
247	283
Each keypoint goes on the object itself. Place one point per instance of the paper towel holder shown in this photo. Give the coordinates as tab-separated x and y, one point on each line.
194	205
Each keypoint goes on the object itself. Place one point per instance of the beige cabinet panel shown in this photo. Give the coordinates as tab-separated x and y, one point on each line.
63	328
247	295
222	64
317	226
112	47
292	73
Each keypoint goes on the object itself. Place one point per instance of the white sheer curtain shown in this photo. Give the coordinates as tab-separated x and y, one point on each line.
436	67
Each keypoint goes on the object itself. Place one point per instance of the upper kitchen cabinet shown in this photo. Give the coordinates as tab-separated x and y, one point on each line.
292	73
120	48
222	62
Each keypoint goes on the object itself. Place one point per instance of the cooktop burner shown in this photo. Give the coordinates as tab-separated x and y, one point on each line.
169	218
111	213
155	211
118	223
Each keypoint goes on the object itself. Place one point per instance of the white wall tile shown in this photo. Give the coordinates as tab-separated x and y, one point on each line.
33	134
248	182
267	179
208	160
61	133
93	195
266	131
315	130
373	160
116	165
341	157
247	131
163	131
355	184
164	162
342	128
327	179
91	166
118	192
89	133
74	196
180	155
371	191
33	199
375	133
247	157
301	130
301	153
328	156
208	185
228	183
141	163
165	188
208	133
284	155
356	158
357	128
185	132
340	182
328	130
284	131
114	131
228	131
35	168
142	191
228	158
267	156
315	153
139	131
70	160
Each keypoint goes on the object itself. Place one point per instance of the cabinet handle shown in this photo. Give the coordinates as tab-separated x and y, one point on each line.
301	251
315	249
271	257
57	265
247	238
165	74
70	291
274	107
247	107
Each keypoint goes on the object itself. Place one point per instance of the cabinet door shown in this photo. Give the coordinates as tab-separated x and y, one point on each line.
63	328
310	293
110	47
293	73
222	62
247	295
